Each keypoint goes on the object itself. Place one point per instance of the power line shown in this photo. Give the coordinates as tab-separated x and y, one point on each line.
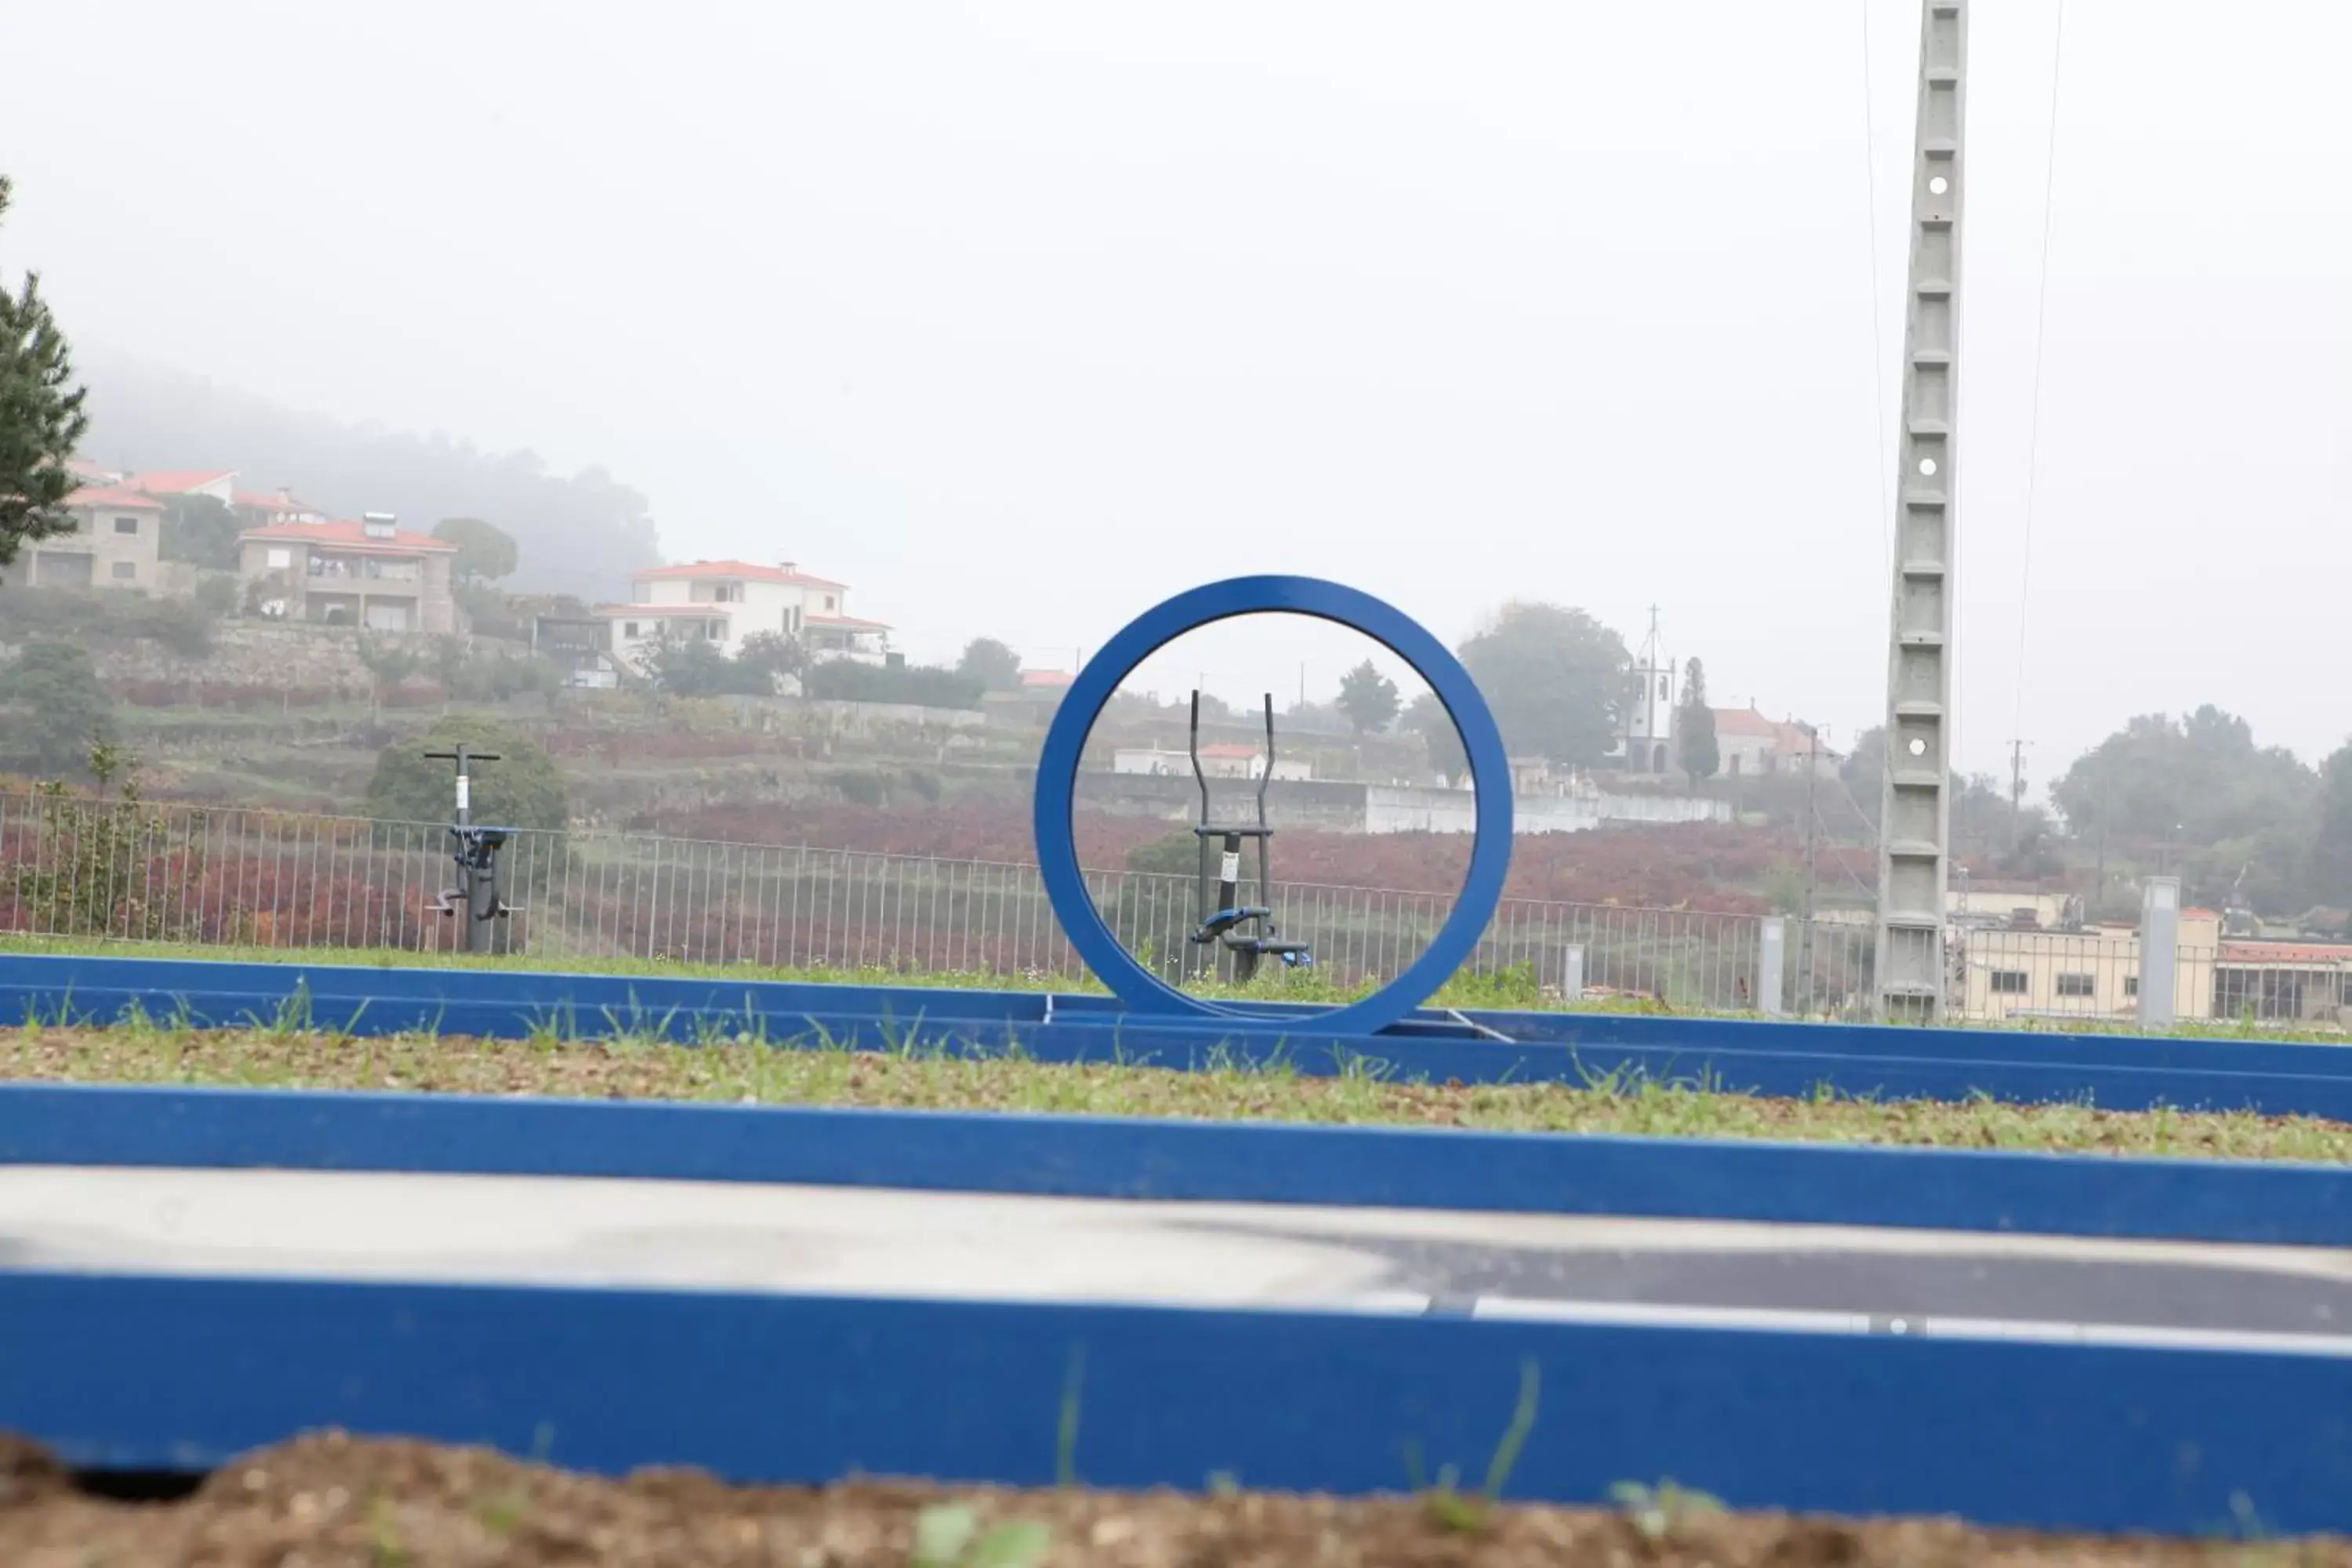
2040	317
1883	523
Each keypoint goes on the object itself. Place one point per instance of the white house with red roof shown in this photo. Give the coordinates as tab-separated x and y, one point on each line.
727	602
116	542
1749	743
372	573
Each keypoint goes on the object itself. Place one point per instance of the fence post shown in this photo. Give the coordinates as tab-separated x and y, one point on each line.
1571	972
2159	951
1771	960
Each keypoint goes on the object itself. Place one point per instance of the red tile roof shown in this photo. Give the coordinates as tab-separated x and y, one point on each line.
251	501
847	623
1785	735
2331	952
1229	749
1045	677
350	535
744	568
179	481
110	495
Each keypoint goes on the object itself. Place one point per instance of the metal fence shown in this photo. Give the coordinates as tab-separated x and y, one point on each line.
200	875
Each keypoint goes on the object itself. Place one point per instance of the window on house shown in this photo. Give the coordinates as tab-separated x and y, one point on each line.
2078	986
1734	760
628	628
828	602
2131	984
126	525
126	571
2009	983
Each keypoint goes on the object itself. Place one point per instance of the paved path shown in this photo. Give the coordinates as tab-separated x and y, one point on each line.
862	1240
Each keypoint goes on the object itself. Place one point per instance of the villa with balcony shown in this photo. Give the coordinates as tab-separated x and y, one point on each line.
371	574
727	602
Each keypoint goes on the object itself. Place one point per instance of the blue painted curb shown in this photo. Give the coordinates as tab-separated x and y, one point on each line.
159	1372
1075	1156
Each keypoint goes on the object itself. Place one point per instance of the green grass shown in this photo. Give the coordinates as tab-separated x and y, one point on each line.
1516	989
732	1069
1510	989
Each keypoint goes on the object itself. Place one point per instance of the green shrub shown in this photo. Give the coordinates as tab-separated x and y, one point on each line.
919	685
859	787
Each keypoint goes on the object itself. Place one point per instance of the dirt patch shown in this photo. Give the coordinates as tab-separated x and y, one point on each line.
330	1501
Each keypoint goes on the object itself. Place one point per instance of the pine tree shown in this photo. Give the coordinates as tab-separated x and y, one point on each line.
1368	698
1695	727
41	417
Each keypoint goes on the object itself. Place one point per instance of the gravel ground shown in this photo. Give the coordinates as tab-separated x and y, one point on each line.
329	1501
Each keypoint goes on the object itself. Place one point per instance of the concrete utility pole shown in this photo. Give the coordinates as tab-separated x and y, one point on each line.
1915	812
2016	794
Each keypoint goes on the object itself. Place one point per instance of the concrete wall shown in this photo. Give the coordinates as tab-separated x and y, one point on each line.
1346	807
254	653
1390	808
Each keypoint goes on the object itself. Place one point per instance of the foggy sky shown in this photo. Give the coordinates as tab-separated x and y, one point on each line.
1020	316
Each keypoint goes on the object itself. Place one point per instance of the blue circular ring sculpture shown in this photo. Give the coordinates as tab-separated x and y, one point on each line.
1057	779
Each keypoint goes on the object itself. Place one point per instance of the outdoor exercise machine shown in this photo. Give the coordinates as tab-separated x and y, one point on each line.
1248	931
475	850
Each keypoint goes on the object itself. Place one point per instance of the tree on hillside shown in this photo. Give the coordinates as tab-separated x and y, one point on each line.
2331	859
995	666
41	417
390	663
697	666
52	708
2197	796
1695	727
485	550
523	789
772	656
1368	698
201	531
1555	679
1427	718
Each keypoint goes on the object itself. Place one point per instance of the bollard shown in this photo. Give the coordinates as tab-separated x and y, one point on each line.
1571	972
2159	951
1772	961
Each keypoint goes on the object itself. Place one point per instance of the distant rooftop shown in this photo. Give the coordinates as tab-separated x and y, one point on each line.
789	572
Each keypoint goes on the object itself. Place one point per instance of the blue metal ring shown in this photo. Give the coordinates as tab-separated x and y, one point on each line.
1058	780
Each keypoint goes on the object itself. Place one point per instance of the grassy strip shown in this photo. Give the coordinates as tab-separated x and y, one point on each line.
1514	989
922	1079
1509	988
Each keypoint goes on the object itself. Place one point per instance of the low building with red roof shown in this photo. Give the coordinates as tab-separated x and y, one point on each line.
371	573
1748	742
